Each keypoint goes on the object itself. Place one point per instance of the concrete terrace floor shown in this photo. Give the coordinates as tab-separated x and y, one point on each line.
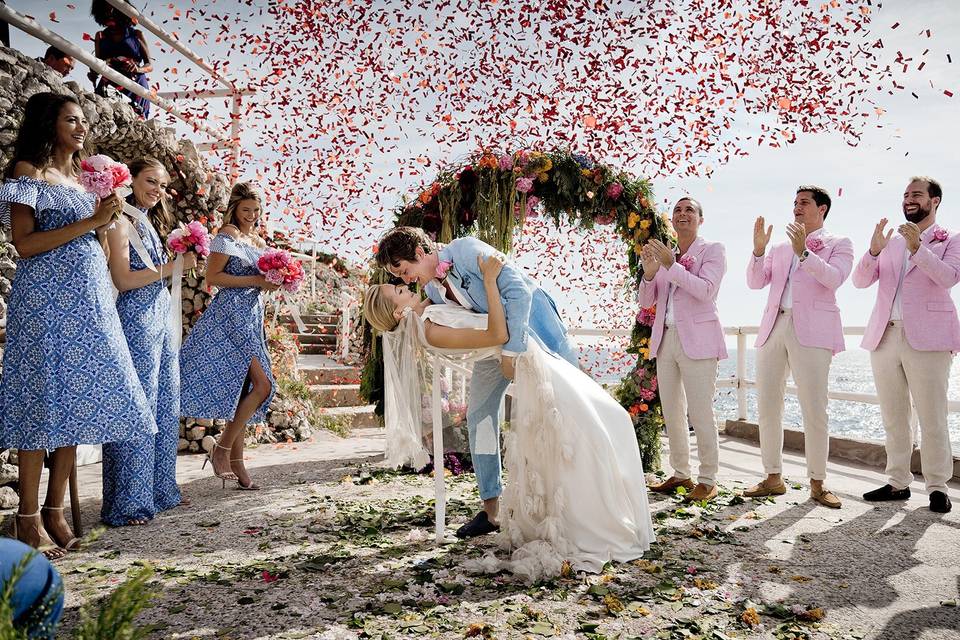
327	550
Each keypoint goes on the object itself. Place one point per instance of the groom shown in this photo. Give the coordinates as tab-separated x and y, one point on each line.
450	275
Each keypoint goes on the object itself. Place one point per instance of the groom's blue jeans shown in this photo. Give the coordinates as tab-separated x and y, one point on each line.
487	386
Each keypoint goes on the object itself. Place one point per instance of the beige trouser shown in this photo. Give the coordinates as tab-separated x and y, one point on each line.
900	371
685	384
811	368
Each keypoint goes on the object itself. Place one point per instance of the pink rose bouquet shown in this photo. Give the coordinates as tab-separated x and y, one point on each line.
192	237
279	267
101	176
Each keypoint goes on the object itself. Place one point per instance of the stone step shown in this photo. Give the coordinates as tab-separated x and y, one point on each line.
314	318
337	395
330	329
360	417
318	349
317	338
330	375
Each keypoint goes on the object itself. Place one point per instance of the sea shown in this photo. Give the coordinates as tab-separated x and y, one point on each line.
850	371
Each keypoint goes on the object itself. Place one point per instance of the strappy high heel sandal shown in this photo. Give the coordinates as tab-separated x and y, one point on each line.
74	543
51	551
249	487
223	476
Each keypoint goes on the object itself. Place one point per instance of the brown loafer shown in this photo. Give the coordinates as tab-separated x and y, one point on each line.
826	498
702	492
670	485
763	490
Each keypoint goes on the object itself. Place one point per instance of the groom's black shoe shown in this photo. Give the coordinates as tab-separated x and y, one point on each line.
480	525
887	492
939	502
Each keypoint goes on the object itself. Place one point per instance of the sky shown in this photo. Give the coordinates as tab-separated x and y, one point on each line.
913	136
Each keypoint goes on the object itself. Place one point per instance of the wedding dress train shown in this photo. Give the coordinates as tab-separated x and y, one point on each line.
575	487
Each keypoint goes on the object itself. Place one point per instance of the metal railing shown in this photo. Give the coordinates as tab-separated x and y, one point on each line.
231	142
742	383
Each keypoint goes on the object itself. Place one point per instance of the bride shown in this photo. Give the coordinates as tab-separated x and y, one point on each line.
576	490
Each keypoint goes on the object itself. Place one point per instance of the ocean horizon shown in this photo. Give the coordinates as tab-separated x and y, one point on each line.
850	371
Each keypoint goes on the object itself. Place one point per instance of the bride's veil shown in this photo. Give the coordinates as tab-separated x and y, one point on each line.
403	362
408	363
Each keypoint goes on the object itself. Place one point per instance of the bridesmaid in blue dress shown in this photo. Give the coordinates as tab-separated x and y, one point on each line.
68	378
224	363
140	476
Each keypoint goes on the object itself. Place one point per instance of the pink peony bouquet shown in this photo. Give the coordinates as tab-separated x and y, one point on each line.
101	176
279	267
190	237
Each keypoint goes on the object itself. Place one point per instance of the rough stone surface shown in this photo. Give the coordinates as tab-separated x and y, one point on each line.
327	547
8	498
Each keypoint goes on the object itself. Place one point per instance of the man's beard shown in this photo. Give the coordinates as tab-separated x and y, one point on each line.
917	216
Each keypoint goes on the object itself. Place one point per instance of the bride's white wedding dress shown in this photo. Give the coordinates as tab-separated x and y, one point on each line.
575	488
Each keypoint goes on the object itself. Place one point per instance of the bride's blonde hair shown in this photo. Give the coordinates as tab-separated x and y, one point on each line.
378	310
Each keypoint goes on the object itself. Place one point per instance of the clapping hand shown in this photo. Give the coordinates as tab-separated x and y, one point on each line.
797	233
664	253
879	240
911	233
648	258
761	238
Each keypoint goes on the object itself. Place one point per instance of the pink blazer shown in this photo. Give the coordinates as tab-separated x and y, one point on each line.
929	315
816	316
694	301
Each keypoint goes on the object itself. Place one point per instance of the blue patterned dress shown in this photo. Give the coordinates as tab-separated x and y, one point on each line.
229	335
140	476
67	374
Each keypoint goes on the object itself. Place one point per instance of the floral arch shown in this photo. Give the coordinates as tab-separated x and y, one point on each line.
491	195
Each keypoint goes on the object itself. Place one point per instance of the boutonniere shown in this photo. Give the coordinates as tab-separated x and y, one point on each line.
814	244
442	268
687	262
940	235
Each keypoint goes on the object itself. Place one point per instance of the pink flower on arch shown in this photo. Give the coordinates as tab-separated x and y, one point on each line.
524	185
614	190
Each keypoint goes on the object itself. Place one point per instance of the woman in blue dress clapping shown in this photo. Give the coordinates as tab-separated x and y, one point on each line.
224	363
140	476
67	374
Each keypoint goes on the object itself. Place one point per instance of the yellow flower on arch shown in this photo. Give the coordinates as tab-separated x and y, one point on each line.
634	219
645	224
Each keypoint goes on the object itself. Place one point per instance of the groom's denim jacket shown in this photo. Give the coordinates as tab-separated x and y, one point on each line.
526	306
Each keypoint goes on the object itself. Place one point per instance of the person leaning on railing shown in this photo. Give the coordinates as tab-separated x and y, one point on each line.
124	49
912	336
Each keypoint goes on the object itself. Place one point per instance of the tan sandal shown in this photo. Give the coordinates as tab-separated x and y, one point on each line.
50	551
248	487
74	543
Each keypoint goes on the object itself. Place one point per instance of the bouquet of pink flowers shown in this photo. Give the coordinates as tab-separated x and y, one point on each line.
279	267
101	175
192	237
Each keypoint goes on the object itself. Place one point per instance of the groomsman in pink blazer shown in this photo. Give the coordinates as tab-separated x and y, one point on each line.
912	336
800	332
687	342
